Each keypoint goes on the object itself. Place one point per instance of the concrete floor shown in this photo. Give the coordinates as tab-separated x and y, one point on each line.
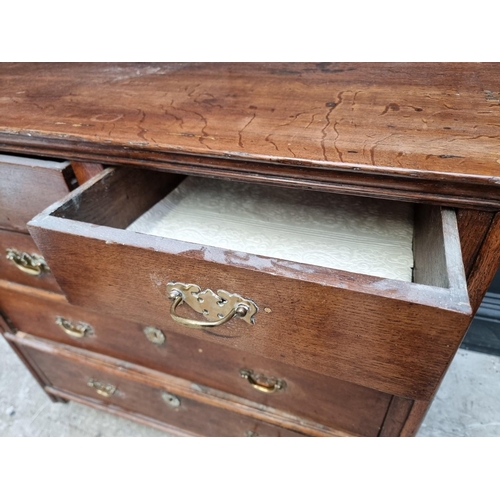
467	404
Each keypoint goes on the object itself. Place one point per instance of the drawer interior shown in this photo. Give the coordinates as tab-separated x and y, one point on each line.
366	236
382	238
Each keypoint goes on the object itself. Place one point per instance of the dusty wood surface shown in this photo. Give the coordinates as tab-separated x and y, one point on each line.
413	123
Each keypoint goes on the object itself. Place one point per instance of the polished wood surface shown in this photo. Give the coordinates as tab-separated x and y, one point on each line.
84	170
331	402
362	329
428	130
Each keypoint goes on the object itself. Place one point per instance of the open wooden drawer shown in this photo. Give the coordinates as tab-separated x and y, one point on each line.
389	334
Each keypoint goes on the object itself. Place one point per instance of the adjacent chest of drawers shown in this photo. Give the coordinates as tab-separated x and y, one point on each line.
247	250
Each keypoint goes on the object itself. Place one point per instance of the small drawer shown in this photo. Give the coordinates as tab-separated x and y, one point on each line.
390	334
333	403
22	262
28	185
137	391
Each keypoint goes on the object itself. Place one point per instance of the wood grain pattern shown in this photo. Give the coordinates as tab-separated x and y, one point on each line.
397	414
8	271
128	194
473	225
485	265
27	186
4	327
140	390
85	170
429	248
119	412
415	418
330	402
358	328
406	122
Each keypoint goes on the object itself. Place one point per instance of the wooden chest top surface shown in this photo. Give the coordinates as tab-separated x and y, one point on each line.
429	118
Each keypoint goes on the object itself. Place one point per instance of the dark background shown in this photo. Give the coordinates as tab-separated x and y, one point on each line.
484	332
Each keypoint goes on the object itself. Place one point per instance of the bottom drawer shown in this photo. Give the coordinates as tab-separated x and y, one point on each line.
136	392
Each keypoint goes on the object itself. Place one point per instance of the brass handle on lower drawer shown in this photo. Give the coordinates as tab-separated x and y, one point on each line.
218	307
77	330
31	264
263	383
102	388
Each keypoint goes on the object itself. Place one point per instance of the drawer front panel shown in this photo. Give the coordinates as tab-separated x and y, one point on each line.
14	247
28	186
330	402
389	335
390	345
136	394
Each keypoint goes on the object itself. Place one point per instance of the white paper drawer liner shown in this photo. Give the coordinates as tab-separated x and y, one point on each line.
354	234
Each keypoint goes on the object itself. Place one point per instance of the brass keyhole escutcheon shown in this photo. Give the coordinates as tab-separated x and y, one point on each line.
171	399
154	335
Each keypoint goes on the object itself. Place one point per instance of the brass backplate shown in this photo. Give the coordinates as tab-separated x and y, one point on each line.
213	306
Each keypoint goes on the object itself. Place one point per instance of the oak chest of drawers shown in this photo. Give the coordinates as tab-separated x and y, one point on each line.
247	249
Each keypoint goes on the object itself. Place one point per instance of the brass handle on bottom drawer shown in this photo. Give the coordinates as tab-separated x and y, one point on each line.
76	330
263	383
31	264
218	307
103	389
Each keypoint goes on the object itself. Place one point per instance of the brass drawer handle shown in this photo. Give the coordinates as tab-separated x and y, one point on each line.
77	330
32	264
218	307
261	382
102	388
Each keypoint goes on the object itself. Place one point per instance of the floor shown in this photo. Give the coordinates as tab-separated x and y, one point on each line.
467	404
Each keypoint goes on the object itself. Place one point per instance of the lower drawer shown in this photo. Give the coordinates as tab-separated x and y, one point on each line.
137	392
325	400
21	262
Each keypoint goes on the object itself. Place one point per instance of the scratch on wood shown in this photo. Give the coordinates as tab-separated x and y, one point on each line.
332	106
240	141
